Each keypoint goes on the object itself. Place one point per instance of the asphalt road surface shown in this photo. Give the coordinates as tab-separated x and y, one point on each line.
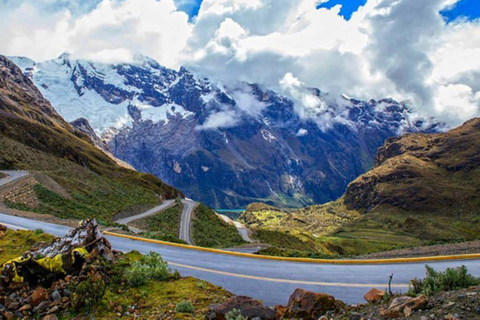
269	280
188	206
12	176
165	204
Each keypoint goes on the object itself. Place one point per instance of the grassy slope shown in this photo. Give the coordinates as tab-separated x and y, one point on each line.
210	231
164	225
15	243
423	190
34	137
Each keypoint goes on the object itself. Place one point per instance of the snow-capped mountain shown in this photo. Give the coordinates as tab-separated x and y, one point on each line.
224	146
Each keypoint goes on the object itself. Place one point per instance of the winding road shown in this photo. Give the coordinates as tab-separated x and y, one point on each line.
268	280
185	223
271	281
165	205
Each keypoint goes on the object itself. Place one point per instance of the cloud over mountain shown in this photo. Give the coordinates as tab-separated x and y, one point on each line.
403	49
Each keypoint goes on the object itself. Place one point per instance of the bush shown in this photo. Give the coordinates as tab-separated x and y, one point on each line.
150	267
202	285
235	314
87	294
449	280
185	307
38	231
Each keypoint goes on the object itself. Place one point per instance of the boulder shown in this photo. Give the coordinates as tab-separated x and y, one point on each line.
248	307
39	295
403	306
374	295
311	306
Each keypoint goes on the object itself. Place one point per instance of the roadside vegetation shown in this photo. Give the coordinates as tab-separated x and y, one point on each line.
101	191
2	175
449	280
210	231
15	243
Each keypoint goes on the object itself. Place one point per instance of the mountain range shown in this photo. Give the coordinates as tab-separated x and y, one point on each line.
224	145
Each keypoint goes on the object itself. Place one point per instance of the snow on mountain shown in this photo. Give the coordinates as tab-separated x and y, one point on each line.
225	146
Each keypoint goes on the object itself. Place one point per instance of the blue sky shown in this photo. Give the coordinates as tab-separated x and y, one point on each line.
465	8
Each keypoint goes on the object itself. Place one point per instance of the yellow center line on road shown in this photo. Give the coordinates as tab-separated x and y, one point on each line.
288	281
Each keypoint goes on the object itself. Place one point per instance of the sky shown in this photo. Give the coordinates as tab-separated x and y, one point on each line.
422	52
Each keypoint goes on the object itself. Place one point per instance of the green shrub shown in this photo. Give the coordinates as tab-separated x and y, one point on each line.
235	314
449	280
150	267
185	307
210	231
202	285
87	294
38	231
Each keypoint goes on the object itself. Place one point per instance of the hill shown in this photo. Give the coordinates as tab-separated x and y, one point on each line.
423	189
34	137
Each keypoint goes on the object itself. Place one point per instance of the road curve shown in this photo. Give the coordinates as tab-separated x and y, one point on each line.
185	223
165	204
12	176
268	280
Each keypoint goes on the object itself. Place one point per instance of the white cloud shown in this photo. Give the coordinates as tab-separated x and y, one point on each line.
220	119
389	48
112	31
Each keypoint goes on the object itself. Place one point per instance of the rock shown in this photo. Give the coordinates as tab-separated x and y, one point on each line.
56	296
26	307
398	305
311	306
39	295
407	311
450	317
248	307
280	311
8	315
13	305
50	317
41	307
54	310
374	295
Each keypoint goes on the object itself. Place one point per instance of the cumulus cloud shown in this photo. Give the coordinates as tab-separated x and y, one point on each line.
112	31
402	49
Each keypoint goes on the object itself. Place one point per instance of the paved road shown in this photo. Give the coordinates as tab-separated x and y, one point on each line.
242	230
165	204
188	206
269	280
12	176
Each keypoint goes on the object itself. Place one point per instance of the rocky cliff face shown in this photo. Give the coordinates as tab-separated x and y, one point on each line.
224	146
422	172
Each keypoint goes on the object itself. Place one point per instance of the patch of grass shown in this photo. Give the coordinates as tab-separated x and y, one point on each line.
158	298
449	280
210	231
184	307
166	222
150	267
15	243
283	240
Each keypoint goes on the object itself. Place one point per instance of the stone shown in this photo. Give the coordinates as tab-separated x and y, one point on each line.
13	305
248	307
8	315
26	307
374	295
407	311
39	295
50	317
54	310
56	295
41	307
399	304
311	306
